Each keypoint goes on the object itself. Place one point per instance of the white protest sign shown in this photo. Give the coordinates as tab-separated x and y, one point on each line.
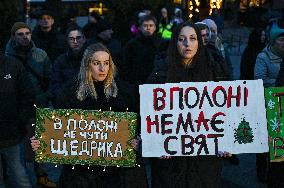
202	118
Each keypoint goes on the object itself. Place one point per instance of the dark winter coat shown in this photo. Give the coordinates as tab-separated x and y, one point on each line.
138	59
38	67
53	42
218	64
184	172
90	30
112	176
16	99
113	45
65	68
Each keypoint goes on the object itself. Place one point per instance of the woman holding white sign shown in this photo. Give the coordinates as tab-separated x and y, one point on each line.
187	62
97	88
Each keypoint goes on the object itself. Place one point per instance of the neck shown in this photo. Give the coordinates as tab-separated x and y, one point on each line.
186	62
46	29
277	51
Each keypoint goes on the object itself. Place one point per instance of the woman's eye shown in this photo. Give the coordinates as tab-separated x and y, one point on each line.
180	39
106	63
193	38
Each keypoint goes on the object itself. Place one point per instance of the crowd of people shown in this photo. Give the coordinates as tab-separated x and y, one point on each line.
90	69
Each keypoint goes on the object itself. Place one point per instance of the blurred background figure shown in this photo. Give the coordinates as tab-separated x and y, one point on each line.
256	43
165	25
47	37
90	29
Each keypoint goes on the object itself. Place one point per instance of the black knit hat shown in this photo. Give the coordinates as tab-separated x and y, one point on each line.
44	12
102	26
17	26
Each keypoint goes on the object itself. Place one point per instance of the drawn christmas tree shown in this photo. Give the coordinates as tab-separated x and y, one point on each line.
243	134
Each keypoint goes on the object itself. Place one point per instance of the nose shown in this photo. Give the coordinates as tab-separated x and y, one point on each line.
186	43
102	68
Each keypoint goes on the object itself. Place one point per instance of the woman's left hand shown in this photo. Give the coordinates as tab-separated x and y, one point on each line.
135	142
224	154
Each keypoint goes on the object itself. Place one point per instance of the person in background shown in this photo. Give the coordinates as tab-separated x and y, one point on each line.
90	29
216	60
38	66
105	36
47	38
139	53
268	62
165	25
67	65
218	19
97	87
177	17
256	43
267	68
16	109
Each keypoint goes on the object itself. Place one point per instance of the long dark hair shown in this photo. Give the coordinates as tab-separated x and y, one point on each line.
199	69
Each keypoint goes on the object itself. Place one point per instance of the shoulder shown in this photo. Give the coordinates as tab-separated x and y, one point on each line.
61	59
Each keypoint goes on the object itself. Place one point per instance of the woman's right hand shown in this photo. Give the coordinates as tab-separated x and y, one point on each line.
165	157
34	143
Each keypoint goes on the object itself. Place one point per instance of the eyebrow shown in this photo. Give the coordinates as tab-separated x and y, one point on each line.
190	35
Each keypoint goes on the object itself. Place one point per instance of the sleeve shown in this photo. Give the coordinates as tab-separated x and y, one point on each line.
127	61
261	71
56	80
280	78
26	94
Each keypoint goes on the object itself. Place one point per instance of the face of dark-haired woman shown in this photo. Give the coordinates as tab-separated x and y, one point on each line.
187	44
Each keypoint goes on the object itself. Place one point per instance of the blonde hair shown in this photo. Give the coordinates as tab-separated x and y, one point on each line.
86	83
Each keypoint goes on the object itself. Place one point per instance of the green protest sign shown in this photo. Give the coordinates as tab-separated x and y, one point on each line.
86	137
275	118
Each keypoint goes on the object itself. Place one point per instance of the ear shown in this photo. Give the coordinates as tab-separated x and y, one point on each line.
52	21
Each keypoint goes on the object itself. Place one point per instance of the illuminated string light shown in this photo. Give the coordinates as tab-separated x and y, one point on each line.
215	4
73	168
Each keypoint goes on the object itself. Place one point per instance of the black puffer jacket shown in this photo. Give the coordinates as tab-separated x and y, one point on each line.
53	42
138	59
65	68
16	99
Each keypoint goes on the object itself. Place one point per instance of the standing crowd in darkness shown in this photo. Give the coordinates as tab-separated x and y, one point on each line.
88	68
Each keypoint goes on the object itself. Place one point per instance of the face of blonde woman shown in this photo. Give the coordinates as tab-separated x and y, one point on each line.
187	44
100	65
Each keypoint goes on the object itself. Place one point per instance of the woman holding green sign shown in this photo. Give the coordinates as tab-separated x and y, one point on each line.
97	88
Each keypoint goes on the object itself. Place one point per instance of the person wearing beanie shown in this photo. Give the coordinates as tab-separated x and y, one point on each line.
217	61
267	68
47	37
268	61
90	29
103	35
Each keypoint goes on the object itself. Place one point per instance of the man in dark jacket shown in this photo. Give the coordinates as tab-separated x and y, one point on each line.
67	65
34	60
47	38
105	36
139	53
16	99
